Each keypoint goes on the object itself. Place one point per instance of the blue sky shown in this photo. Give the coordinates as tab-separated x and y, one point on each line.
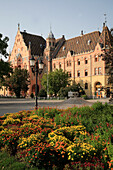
66	17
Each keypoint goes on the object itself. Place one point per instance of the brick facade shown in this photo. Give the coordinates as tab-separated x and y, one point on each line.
79	56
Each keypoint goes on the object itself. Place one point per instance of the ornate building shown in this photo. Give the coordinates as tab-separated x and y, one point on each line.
79	56
25	46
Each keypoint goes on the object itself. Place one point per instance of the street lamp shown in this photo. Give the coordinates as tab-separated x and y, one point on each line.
36	67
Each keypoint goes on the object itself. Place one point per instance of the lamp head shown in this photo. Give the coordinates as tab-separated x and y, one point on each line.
32	61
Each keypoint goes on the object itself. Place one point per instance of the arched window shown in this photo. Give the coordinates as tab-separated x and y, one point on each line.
19	66
96	58
60	66
78	61
78	73
86	73
86	61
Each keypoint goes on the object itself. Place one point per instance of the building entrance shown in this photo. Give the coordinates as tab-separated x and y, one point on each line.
98	90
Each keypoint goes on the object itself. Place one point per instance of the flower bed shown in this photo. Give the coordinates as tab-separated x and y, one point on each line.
60	139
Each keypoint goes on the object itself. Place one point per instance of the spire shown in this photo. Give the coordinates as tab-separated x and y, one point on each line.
105	19
19	26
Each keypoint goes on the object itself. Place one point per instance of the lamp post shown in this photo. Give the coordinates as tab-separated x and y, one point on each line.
36	67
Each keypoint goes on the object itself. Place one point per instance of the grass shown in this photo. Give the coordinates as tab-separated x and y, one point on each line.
10	163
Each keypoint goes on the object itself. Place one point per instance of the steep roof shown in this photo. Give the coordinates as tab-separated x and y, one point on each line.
83	43
106	39
35	41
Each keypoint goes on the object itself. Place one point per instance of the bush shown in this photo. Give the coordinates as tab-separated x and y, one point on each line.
84	96
32	95
71	138
42	93
63	92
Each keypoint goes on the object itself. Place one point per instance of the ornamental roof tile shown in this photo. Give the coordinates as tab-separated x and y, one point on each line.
79	44
35	42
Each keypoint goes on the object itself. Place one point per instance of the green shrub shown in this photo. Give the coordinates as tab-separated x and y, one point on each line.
32	95
84	96
42	93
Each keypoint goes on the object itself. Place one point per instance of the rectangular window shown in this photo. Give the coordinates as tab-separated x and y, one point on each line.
78	62
96	58
95	71
99	58
99	70
86	85
86	73
78	73
60	66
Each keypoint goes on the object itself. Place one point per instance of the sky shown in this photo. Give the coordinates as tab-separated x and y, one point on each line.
65	17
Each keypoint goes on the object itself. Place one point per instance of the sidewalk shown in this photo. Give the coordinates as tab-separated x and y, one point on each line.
29	100
106	100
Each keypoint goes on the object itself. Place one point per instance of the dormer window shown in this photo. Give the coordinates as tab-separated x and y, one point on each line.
78	61
64	48
72	52
89	42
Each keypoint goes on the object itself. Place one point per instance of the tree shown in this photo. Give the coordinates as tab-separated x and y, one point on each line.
5	68
18	82
63	92
56	80
5	71
3	46
108	58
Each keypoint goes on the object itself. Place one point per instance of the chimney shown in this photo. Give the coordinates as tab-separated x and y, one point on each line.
81	32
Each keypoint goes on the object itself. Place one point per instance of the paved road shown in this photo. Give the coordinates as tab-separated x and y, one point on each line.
15	105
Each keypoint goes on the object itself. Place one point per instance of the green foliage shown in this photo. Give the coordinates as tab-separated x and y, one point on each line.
3	45
42	93
84	96
32	95
107	56
9	162
5	70
63	92
56	80
59	139
18	82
